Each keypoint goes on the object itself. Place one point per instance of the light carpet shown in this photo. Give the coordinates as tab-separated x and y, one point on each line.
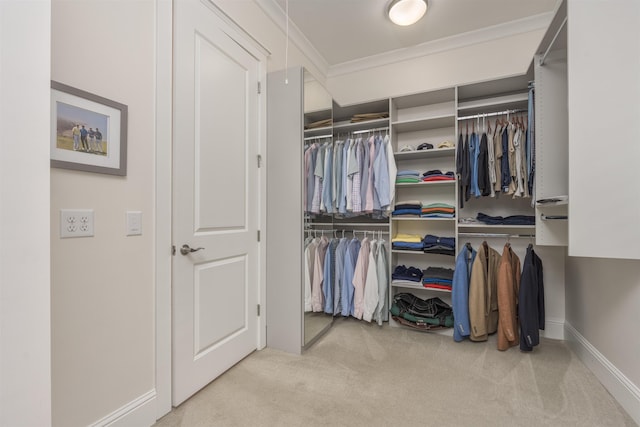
360	374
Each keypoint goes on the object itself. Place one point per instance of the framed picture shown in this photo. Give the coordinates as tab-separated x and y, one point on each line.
88	132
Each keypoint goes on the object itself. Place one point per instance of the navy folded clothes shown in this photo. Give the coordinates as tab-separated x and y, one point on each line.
440	251
402	272
410	246
408	206
413	212
509	220
431	240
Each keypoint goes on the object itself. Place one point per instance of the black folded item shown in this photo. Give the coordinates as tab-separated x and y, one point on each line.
412	308
425	146
438	273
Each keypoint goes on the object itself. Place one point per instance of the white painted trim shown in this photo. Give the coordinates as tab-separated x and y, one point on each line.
163	185
553	329
296	36
621	388
494	32
138	412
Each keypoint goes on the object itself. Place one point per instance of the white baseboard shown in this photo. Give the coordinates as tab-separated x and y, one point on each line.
553	329
137	413
621	388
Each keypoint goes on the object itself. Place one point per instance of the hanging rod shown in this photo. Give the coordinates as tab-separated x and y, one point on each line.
350	224
553	41
522	236
356	132
497	113
308	138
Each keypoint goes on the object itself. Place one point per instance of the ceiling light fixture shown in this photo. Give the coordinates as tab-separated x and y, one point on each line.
407	12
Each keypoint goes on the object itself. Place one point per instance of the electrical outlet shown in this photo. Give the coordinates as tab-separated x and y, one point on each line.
76	223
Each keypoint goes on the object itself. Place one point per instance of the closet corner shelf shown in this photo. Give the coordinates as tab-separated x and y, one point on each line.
485	105
552	204
418	286
425	154
346	126
427	123
421	184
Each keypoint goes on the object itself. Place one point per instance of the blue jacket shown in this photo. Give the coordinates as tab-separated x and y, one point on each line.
531	301
460	293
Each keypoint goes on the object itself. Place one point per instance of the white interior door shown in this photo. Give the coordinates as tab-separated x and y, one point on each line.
215	200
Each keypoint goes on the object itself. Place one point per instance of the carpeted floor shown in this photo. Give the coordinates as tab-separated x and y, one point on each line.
363	375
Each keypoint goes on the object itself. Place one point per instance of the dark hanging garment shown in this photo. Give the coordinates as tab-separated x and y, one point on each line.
531	301
467	161
462	168
506	173
484	183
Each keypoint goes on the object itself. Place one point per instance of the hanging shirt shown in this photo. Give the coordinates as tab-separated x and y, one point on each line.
341	251
317	300
512	159
309	259
506	173
483	167
364	174
474	152
318	174
382	269
329	276
342	205
350	259
371	285
393	170
368	205
381	174
336	175
497	150
360	278
491	163
327	184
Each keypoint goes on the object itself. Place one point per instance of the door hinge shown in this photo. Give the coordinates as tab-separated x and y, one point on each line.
258	310
259	87
258	235
259	160
173	249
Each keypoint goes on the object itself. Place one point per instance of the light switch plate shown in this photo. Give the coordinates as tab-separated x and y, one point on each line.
76	223
134	223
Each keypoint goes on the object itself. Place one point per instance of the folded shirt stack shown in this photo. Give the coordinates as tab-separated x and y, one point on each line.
409	275
438	210
407	242
509	220
411	208
437	175
439	245
407	177
437	278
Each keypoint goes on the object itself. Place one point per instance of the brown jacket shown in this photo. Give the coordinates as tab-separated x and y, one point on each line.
508	289
483	298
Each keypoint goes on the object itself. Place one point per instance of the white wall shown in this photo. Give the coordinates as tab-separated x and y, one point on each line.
488	60
25	384
102	287
602	305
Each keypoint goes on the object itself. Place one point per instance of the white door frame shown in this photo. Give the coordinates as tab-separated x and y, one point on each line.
163	179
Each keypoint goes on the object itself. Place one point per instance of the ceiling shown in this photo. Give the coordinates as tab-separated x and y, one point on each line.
348	31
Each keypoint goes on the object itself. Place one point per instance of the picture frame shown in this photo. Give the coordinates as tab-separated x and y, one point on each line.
88	132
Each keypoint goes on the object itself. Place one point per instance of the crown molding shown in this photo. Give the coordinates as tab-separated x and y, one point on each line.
297	37
511	28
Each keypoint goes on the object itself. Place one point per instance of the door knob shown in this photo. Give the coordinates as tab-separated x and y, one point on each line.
185	249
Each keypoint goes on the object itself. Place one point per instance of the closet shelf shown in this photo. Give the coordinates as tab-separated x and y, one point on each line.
318	131
427	123
401	251
395	218
425	154
462	227
417	286
419	184
346	127
487	105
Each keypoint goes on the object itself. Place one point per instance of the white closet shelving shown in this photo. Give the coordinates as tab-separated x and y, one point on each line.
427	118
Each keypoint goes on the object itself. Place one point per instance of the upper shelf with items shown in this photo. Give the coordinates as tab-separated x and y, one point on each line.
361	117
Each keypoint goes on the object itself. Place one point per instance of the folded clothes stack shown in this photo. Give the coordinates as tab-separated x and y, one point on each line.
438	210
407	208
408	275
437	175
407	242
407	177
439	245
437	278
508	220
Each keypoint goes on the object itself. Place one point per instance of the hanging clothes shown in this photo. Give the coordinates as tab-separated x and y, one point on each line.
350	260
508	290
317	299
462	169
329	276
531	301
460	292
483	167
474	153
370	299
497	149
341	251
309	258
483	298
360	278
382	269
